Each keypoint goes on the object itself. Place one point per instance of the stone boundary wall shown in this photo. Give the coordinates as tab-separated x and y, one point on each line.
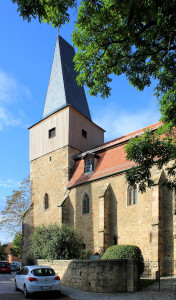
103	276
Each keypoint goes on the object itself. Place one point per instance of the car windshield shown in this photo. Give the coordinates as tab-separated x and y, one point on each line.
4	264
43	272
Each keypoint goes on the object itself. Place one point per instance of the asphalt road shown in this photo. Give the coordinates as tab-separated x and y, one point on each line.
7	290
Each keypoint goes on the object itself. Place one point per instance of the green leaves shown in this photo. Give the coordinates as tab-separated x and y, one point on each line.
49	11
135	38
54	242
153	148
16	250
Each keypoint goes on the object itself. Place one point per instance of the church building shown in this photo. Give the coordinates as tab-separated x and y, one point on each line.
78	179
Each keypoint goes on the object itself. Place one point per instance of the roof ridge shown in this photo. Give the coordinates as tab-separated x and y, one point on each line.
120	139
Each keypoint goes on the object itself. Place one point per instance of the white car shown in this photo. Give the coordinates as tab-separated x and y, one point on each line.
33	279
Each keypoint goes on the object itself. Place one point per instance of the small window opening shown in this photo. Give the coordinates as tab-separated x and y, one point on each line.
50	158
84	133
88	165
46	201
132	195
86	204
52	132
115	239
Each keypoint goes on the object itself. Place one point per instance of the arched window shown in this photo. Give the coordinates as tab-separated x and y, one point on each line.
132	195
46	201
85	204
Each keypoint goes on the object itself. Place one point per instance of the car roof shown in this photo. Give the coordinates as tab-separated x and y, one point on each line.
37	267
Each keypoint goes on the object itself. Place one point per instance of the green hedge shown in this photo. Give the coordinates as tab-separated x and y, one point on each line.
125	252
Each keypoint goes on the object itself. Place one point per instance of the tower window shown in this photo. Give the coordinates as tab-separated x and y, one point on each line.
52	132
85	204
88	165
46	201
84	133
132	195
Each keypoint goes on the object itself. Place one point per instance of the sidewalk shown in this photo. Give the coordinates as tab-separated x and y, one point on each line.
147	295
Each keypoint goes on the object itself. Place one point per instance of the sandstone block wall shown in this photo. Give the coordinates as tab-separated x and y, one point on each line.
111	217
104	276
49	174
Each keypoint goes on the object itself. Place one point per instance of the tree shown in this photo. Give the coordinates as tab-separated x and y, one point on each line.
55	242
16	205
136	38
3	255
152	148
54	11
16	249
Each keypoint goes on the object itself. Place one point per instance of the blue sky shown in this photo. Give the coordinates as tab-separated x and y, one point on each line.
26	53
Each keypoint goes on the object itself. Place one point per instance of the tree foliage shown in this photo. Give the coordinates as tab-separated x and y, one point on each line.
54	11
56	242
16	249
16	205
3	254
152	148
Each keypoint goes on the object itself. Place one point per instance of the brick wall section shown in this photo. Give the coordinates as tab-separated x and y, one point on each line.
104	276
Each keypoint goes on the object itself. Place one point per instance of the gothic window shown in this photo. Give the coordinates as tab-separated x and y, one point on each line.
88	165
46	201
132	195
85	204
52	132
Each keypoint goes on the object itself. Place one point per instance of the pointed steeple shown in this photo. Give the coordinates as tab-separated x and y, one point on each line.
63	89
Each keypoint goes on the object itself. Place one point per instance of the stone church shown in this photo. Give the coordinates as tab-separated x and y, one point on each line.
78	179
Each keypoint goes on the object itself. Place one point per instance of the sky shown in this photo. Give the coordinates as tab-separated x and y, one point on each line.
26	53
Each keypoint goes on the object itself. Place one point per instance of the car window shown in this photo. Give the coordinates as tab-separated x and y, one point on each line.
4	264
24	271
43	272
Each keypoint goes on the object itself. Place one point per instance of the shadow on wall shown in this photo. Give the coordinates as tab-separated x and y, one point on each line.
68	212
166	230
84	219
113	219
27	230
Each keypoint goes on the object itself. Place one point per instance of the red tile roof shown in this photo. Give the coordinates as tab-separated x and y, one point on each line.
112	159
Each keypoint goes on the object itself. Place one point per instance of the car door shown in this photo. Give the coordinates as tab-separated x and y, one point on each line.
21	277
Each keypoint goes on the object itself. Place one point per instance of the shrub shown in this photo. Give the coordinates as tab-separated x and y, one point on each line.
30	260
125	252
56	242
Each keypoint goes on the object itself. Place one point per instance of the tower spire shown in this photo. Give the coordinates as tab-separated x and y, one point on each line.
63	89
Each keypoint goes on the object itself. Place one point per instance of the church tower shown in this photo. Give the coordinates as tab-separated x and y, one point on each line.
65	130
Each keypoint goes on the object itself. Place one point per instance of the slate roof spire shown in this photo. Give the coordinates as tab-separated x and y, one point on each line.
63	89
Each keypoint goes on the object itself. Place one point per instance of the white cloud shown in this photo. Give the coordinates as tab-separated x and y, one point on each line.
118	123
11	92
10	89
8	119
9	183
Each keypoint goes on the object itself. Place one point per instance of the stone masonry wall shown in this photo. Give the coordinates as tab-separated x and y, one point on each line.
27	229
49	174
130	224
104	276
